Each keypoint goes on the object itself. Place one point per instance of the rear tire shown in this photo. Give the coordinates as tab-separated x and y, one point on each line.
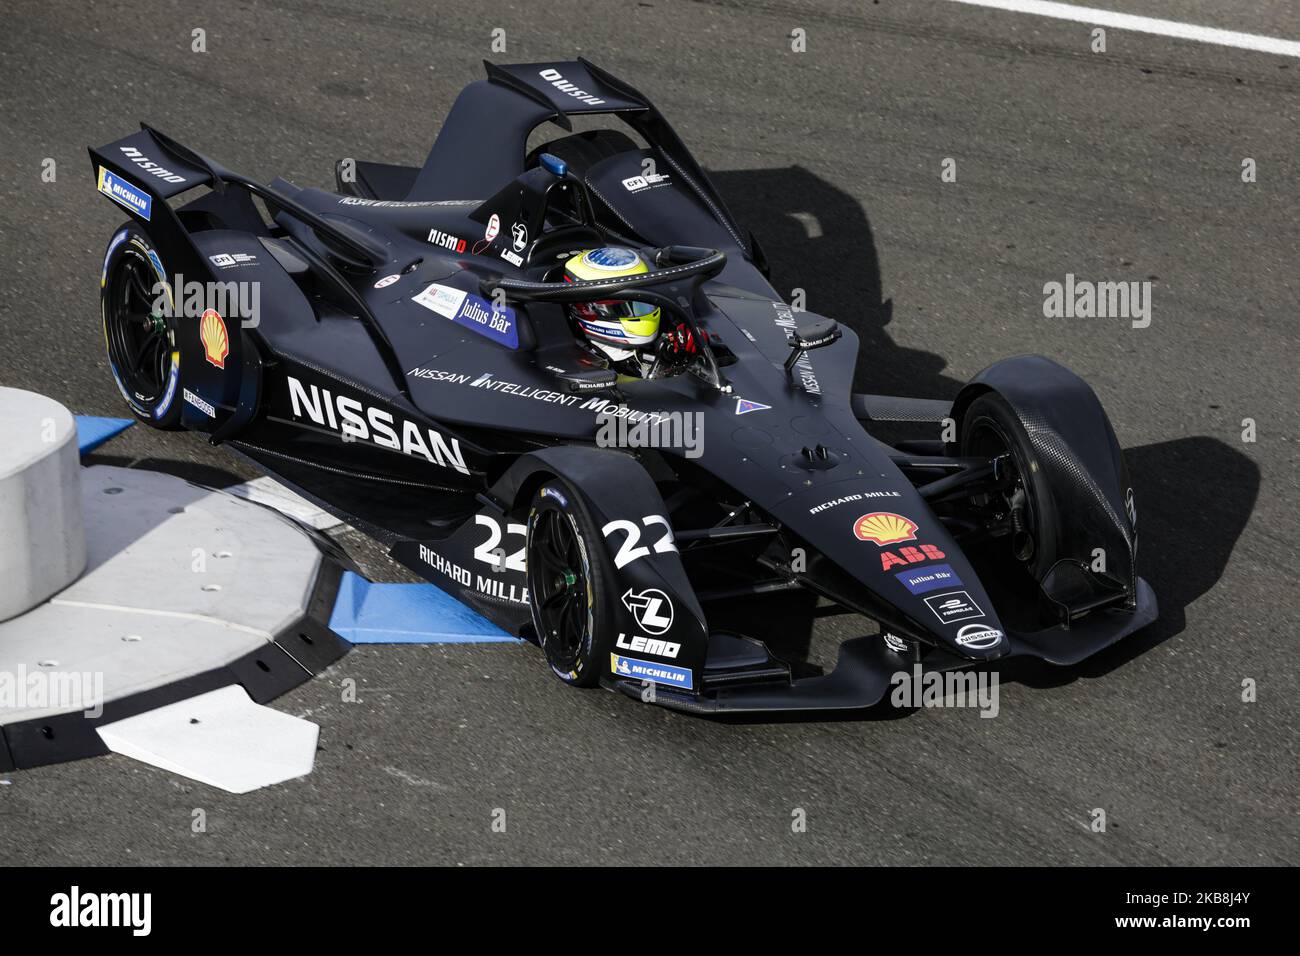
573	613
991	427
139	335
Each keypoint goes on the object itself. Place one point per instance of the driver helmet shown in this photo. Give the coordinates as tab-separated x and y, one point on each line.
625	326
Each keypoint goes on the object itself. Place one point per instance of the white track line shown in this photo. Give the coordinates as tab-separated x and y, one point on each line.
1128	21
158	612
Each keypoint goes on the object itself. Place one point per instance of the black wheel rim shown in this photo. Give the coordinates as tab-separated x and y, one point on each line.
987	439
558	585
138	345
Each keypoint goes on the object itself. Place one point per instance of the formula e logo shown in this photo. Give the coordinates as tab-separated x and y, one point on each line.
652	610
518	236
953	606
978	637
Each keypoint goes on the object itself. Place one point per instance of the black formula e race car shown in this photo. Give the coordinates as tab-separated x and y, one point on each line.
408	352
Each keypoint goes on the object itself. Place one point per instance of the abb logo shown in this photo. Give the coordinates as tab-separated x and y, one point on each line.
909	555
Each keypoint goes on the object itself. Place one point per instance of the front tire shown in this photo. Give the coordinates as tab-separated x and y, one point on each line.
991	428
567	576
138	333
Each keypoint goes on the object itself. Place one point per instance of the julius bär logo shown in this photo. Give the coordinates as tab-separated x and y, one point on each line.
885	527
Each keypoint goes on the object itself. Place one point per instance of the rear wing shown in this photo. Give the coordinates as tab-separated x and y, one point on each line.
139	175
481	144
142	171
136	170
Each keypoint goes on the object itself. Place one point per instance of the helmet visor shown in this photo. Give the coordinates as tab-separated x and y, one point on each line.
613	309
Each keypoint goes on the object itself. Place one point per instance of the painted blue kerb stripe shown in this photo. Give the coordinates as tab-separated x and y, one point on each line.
93	432
369	613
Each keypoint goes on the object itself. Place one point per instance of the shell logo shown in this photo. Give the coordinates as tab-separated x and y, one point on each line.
885	527
216	342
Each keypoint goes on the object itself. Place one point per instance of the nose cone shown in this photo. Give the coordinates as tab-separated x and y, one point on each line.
881	532
982	640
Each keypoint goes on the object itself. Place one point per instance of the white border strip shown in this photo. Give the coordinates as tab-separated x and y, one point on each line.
157	612
1128	21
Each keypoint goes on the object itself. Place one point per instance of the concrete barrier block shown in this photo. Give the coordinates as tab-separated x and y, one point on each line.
42	536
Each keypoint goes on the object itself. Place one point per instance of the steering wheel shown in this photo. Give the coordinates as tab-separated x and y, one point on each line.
674	262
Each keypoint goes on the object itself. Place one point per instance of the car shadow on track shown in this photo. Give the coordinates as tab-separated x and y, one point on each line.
1195	496
816	237
208	476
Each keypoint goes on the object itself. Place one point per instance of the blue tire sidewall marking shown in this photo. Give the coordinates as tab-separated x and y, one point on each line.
173	378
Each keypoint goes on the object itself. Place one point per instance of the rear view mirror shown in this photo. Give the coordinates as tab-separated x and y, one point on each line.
588	380
818	335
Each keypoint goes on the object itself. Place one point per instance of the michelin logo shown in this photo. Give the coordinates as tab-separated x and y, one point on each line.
634	669
125	194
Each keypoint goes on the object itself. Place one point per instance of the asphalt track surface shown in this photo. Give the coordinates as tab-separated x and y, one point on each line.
1117	166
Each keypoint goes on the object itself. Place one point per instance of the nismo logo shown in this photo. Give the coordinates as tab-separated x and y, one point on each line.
557	80
149	166
356	421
